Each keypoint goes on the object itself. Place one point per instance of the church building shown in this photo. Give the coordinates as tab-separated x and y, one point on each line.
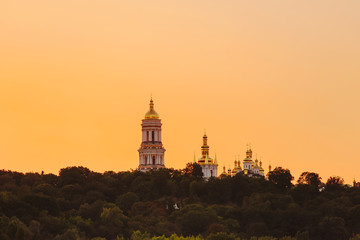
251	168
208	165
151	151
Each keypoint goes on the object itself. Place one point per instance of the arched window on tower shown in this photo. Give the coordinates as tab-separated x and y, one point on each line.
211	173
153	160
147	136
153	136
145	160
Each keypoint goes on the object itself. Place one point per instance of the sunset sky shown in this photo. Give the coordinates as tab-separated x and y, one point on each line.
76	79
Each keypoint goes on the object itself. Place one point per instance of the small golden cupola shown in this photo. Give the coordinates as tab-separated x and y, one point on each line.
152	114
249	153
261	171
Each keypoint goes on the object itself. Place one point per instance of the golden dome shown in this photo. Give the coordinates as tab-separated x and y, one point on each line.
152	114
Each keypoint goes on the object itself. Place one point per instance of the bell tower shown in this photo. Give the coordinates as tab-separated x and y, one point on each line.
208	165
151	151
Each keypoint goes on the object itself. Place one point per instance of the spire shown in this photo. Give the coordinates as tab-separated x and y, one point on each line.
204	139
151	114
194	158
248	152
151	104
205	147
215	160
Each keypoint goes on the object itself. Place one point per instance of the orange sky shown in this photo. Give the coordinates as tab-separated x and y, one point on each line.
76	78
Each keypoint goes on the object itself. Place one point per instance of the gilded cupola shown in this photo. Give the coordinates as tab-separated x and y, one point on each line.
152	114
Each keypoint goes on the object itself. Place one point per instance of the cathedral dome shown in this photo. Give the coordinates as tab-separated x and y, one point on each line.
151	114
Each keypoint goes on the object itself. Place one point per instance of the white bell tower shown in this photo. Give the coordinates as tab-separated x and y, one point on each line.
151	151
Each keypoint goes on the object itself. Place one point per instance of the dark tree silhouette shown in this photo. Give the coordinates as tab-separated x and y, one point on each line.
82	204
310	178
193	170
281	178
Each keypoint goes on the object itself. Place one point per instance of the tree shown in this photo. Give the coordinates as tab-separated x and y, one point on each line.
193	170
221	236
310	178
194	219
335	180
113	221
334	183
126	200
332	228
281	178
73	175
307	188
17	230
137	235
70	234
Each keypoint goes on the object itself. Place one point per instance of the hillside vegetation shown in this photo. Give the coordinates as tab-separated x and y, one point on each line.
168	204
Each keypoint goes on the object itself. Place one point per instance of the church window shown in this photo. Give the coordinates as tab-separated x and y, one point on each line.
147	136
153	136
153	160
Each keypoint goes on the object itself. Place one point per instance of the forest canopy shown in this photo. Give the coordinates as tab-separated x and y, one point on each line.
176	204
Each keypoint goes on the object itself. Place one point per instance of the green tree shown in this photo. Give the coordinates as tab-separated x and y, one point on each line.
332	228
126	200
194	219
70	234
73	175
17	230
221	236
113	222
137	235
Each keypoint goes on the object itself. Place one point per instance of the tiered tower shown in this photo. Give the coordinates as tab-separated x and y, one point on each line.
208	165
151	152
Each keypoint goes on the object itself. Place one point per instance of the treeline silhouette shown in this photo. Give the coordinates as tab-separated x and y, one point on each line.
168	203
